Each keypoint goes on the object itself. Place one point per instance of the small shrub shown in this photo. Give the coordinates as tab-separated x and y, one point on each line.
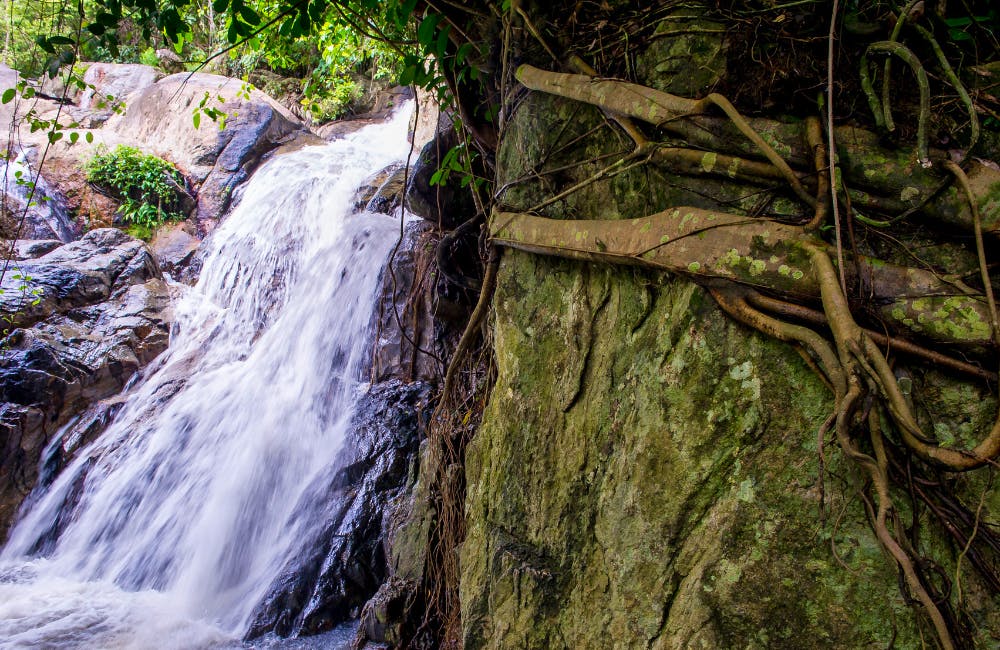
147	186
149	57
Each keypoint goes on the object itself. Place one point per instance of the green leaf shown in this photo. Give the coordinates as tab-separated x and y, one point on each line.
55	136
196	118
89	137
219	6
407	75
441	47
408	7
462	53
250	16
8	95
73	137
316	8
302	25
425	32
108	20
43	43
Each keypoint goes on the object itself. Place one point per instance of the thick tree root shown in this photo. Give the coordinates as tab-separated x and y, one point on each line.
844	380
757	252
843	377
865	164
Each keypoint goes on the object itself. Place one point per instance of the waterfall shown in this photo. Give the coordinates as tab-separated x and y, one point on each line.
44	217
167	530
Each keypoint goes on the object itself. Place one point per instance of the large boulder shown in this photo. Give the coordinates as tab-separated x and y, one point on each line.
156	115
648	472
87	315
447	204
111	83
162	118
107	88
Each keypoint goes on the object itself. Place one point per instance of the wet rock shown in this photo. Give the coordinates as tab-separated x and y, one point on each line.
342	563
447	205
76	275
33	208
175	246
29	249
102	313
384	614
92	209
405	310
381	192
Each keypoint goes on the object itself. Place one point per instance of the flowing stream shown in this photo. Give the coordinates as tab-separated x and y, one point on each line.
168	529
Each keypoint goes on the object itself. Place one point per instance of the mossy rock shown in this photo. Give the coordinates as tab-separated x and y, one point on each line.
647	476
648	472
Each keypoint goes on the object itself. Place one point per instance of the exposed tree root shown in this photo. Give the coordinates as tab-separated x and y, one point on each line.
732	254
854	346
865	164
755	252
475	321
880	109
450	429
901	346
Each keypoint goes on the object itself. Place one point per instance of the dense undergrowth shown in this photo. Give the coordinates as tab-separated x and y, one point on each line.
146	186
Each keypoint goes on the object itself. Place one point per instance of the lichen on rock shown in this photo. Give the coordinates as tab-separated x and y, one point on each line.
648	473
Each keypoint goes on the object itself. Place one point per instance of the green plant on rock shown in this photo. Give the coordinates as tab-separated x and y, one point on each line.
147	186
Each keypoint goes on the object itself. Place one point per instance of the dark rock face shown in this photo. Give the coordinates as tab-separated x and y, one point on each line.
257	129
405	324
175	247
29	249
447	205
343	562
102	313
381	192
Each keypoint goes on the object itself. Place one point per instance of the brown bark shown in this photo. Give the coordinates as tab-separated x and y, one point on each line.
885	179
761	253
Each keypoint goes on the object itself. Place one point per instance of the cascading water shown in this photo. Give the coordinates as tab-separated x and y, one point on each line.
168	530
45	218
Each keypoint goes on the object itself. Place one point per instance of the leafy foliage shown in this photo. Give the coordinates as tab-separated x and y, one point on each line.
146	185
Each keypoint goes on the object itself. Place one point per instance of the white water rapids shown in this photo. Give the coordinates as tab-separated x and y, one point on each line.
175	521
